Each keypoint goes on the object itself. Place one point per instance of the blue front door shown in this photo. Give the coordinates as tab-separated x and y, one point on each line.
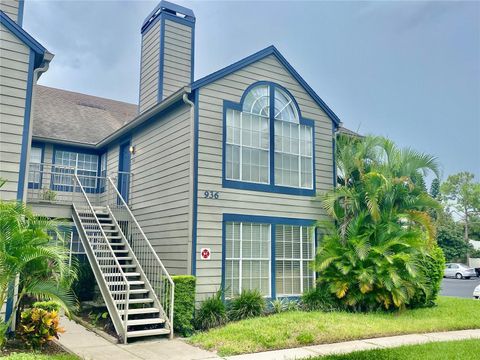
124	171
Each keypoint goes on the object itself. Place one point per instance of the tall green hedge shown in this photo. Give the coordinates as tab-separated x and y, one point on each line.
184	306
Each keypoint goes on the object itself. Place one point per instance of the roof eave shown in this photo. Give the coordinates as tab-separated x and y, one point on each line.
146	115
41	53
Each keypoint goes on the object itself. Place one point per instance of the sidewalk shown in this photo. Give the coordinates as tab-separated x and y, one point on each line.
90	346
359	345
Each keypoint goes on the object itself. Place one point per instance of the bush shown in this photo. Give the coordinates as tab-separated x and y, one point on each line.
250	303
212	313
184	305
319	298
84	285
432	269
38	326
47	305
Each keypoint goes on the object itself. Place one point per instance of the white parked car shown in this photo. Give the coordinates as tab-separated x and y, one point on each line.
476	292
459	271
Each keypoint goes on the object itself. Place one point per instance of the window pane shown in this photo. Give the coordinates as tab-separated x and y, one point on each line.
285	107
257	101
294	254
250	268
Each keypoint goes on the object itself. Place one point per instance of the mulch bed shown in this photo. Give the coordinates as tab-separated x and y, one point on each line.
16	346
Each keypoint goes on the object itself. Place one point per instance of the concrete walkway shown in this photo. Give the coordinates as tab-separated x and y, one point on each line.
90	346
359	345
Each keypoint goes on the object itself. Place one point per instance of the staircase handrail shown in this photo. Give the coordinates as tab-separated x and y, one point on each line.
152	250
119	267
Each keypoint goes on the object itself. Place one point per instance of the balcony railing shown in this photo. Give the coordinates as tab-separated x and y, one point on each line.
49	183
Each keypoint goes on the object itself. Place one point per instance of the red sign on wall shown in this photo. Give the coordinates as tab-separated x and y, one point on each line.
205	253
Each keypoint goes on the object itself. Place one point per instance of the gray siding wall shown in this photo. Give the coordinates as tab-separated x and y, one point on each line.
149	74
177	57
209	225
14	63
160	195
10	7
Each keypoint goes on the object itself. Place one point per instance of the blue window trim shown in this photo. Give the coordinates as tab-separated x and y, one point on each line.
21	5
66	188
271	187
34	185
259	219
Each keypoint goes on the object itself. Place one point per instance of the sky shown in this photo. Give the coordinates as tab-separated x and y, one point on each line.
407	70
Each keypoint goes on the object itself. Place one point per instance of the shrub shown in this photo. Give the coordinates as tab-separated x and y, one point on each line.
47	305
184	304
38	326
432	267
212	312
84	285
277	306
319	298
250	303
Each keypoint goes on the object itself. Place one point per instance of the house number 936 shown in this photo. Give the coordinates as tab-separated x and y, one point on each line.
211	194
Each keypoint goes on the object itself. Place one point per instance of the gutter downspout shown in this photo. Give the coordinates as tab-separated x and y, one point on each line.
36	75
187	101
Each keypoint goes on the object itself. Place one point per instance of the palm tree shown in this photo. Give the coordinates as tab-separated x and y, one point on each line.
29	255
370	256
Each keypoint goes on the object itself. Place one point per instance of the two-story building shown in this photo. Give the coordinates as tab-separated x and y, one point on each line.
215	177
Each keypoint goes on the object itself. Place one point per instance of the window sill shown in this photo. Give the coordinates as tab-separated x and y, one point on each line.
276	189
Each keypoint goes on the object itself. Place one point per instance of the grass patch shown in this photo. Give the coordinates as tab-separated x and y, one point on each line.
35	356
458	350
296	328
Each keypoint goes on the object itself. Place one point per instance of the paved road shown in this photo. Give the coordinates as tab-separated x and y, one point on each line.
459	288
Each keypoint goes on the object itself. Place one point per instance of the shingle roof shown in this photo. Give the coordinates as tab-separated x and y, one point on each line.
70	116
344	130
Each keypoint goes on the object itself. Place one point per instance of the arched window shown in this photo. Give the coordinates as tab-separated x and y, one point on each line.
248	139
268	123
293	145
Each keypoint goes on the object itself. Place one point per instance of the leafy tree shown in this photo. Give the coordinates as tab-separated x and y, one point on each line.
435	188
450	239
462	194
28	254
474	228
371	256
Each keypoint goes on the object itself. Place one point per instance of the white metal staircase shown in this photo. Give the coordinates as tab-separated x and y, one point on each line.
136	288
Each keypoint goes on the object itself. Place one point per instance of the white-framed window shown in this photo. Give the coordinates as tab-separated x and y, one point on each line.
293	145
294	255
247	258
248	138
248	147
65	164
34	173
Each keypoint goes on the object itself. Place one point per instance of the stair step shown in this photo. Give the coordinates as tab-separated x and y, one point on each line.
136	301
130	266
133	282
124	258
140	311
132	292
151	332
110	230
117	244
127	274
145	322
123	251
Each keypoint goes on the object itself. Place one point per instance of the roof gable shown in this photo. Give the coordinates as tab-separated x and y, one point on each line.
25	37
271	50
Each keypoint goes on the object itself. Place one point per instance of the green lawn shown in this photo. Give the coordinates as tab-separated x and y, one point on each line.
30	356
293	329
458	350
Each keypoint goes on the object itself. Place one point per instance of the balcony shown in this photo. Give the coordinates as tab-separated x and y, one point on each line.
54	184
